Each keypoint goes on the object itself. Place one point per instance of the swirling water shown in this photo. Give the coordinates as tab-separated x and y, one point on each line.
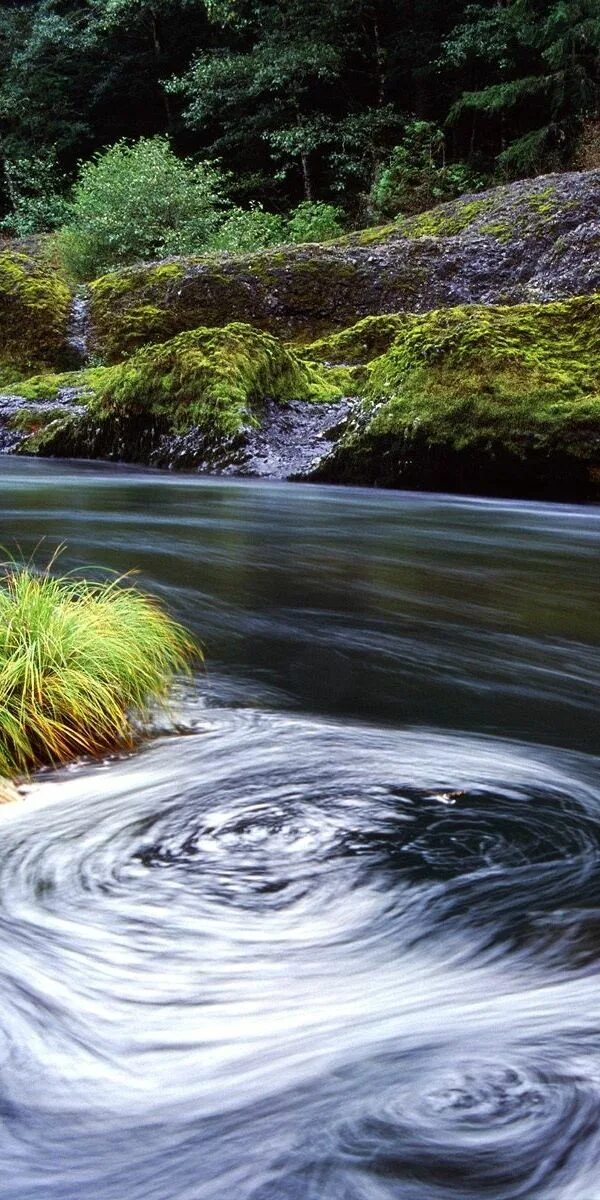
333	932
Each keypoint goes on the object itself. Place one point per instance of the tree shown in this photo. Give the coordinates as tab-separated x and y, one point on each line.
299	87
544	65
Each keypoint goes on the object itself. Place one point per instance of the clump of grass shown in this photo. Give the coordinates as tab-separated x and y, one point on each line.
79	663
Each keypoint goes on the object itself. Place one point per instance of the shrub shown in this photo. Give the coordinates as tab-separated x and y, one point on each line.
139	201
417	175
78	661
245	230
314	221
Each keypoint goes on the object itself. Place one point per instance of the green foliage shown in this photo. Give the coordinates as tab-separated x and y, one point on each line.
314	222
78	661
539	68
37	204
244	230
295	98
139	201
417	175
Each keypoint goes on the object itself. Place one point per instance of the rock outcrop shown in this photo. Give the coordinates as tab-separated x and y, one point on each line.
457	349
501	400
537	240
35	305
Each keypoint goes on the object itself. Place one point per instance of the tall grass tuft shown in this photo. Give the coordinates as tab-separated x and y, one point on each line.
79	661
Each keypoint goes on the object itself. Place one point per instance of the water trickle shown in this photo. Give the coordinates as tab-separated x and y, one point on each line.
78	329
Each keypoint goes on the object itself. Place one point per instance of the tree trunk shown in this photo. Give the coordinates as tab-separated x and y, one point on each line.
379	62
306	176
156	43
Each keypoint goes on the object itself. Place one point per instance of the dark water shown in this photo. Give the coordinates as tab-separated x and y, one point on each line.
334	932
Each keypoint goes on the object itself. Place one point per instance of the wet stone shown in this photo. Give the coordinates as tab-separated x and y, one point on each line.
290	442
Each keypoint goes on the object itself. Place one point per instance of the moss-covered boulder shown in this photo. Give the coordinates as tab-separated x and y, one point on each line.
208	379
535	239
34	316
502	400
499	400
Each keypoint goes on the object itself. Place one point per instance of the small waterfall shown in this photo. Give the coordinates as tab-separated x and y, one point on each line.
78	329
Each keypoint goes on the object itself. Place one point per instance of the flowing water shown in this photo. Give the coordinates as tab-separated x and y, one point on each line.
333	933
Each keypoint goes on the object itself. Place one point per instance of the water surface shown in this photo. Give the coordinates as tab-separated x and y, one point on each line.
333	933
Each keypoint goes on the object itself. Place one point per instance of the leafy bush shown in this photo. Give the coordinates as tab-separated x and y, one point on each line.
254	229
139	201
249	229
417	175
76	660
312	221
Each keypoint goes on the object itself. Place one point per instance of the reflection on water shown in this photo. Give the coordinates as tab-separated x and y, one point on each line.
332	934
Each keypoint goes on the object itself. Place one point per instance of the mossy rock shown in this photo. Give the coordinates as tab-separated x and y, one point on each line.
34	315
509	245
299	293
207	378
504	400
534	206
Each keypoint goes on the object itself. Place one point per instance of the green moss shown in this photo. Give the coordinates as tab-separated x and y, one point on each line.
360	343
48	386
45	439
501	231
445	221
375	235
34	315
130	308
499	377
30	420
210	377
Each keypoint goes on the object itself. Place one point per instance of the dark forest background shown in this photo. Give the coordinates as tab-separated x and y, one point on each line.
368	106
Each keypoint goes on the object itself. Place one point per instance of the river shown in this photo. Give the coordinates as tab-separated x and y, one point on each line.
333	932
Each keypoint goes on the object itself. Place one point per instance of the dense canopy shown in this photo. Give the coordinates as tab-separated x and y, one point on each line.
370	105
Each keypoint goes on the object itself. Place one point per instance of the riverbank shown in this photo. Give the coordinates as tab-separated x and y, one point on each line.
457	350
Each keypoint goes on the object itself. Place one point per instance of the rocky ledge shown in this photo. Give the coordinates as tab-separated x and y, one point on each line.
455	350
